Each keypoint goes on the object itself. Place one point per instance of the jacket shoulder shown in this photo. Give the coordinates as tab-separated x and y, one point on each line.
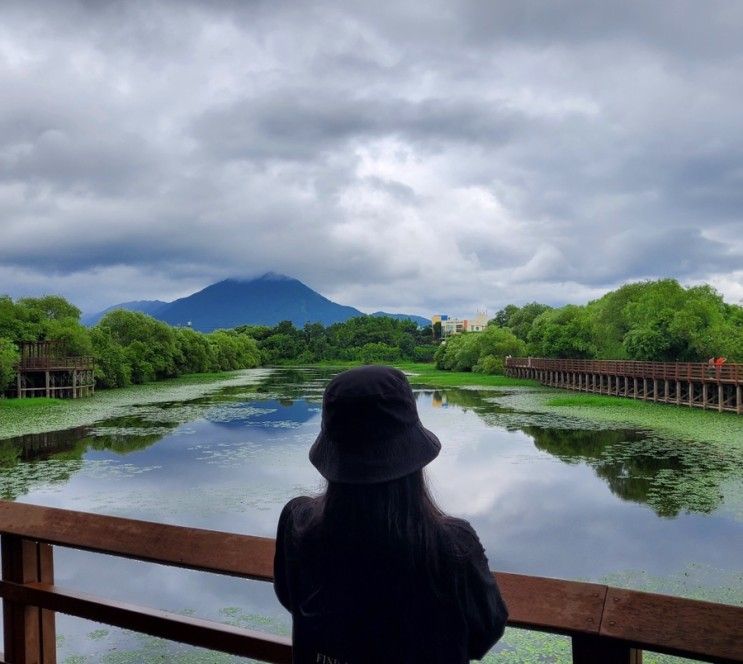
462	538
294	514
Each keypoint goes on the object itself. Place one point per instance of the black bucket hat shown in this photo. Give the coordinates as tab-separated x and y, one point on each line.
370	428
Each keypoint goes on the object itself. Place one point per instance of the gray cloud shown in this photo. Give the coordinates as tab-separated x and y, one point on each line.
451	156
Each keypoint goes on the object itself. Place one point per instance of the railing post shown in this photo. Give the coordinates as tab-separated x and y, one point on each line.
29	632
593	649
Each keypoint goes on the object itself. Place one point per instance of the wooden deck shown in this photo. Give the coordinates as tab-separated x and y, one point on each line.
694	384
607	625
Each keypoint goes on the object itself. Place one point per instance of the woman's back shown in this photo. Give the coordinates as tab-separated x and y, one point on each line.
354	602
372	570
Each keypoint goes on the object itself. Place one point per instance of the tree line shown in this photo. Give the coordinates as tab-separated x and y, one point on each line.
650	320
128	347
367	339
653	320
133	348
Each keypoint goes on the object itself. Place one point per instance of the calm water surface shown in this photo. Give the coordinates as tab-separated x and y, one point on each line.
547	498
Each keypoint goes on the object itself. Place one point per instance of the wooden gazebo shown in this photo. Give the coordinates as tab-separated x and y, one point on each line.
47	370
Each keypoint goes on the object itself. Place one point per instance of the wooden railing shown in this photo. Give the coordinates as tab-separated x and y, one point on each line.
606	625
732	373
50	362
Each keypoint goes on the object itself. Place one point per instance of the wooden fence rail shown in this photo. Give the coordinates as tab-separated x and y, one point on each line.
56	363
727	373
606	625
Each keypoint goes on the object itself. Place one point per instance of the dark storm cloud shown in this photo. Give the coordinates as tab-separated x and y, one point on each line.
451	155
303	124
687	28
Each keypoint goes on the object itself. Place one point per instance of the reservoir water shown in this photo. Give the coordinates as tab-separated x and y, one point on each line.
548	495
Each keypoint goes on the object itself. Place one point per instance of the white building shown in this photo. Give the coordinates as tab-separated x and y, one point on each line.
451	326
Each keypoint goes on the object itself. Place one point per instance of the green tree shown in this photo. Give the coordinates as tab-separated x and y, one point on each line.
151	345
233	350
74	337
195	350
565	332
502	318
376	353
316	342
8	361
459	352
112	365
520	321
671	323
494	344
50	307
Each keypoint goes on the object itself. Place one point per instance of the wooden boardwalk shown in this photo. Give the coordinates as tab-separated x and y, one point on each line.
695	384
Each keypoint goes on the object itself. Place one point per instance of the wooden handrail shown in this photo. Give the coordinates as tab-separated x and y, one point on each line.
728	372
604	622
194	548
53	362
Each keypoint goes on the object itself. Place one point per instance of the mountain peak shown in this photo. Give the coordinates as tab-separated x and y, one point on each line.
275	276
265	277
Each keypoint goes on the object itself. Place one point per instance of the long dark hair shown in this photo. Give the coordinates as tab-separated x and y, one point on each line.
394	522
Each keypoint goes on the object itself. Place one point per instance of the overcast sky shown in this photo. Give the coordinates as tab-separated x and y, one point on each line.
408	156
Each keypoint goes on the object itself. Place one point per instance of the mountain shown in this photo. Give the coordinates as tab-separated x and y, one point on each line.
150	307
266	300
418	320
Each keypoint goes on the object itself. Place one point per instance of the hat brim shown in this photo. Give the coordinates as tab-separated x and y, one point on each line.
402	454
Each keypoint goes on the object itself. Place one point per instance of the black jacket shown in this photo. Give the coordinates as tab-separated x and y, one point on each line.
348	608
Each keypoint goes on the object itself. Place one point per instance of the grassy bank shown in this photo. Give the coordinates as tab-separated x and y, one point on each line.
421	373
428	374
681	421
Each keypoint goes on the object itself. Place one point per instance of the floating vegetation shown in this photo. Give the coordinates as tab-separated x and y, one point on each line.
26	477
229	454
175	414
39	415
679	421
52	475
224	499
125	647
596	410
237	617
113	432
236	412
695	581
520	646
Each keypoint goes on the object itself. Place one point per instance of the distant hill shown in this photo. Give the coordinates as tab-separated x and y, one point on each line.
418	320
150	307
266	300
